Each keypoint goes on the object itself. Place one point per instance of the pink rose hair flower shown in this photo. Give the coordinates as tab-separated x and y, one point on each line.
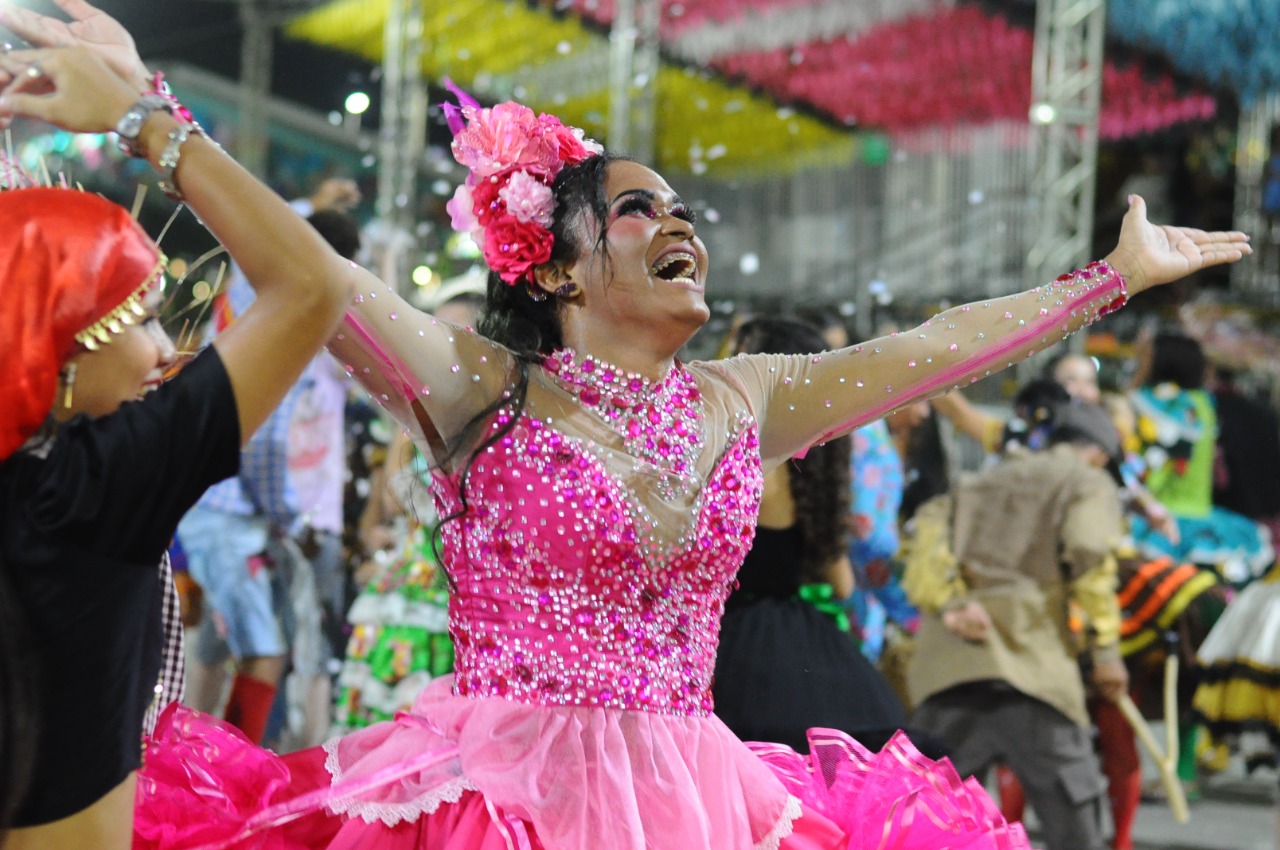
513	156
528	199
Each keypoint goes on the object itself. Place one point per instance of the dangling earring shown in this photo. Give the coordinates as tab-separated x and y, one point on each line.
567	290
536	293
68	384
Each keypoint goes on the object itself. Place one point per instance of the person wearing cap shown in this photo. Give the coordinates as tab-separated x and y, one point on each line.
993	566
99	456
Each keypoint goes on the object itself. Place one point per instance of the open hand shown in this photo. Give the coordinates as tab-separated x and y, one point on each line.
1151	254
69	87
89	27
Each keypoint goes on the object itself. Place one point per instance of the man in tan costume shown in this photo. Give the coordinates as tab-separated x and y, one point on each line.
993	566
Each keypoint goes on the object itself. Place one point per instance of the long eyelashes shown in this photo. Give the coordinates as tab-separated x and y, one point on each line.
683	212
645	207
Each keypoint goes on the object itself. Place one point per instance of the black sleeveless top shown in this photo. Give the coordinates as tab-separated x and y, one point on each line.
772	568
82	529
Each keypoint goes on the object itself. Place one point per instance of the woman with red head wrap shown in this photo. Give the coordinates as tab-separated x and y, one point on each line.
98	456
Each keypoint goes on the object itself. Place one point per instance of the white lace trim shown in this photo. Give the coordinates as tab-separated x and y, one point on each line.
786	822
391	814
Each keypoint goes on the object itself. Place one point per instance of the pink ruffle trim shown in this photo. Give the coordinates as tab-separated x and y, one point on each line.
896	799
578	777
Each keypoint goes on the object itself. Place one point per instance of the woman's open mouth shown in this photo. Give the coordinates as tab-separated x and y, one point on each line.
678	267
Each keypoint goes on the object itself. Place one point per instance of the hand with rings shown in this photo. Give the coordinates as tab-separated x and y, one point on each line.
21	72
69	87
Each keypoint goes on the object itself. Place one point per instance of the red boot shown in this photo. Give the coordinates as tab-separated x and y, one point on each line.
249	705
1012	798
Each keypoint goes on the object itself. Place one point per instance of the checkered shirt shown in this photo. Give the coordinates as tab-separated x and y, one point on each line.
171	685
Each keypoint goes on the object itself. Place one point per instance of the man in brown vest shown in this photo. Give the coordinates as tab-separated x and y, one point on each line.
993	566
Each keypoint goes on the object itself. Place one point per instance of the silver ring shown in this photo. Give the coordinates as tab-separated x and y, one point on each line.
6	48
34	71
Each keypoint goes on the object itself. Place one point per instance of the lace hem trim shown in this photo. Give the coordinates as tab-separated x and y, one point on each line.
786	822
392	814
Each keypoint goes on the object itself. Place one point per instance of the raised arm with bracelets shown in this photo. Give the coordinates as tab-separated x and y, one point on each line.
302	284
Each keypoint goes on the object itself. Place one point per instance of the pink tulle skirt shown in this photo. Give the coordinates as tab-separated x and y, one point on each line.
490	773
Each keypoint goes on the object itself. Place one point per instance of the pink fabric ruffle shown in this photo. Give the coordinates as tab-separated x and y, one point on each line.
530	777
205	786
585	778
896	799
201	780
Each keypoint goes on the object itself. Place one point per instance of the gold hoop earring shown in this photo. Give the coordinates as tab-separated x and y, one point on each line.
68	384
535	293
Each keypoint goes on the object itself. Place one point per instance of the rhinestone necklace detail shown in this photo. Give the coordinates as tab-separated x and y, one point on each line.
660	423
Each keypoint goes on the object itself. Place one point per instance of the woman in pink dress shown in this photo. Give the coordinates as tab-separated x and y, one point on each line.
599	495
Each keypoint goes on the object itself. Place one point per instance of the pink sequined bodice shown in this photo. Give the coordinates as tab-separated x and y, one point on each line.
563	595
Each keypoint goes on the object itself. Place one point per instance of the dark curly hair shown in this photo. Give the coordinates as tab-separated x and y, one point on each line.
524	319
820	482
1178	359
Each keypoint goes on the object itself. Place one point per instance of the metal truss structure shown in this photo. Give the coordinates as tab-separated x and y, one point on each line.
1066	91
258	18
402	140
633	78
1258	281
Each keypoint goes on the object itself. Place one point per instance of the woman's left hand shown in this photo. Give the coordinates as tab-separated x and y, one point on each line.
89	27
1151	254
69	87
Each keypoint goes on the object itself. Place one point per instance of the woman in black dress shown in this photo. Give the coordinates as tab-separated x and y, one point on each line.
785	665
95	467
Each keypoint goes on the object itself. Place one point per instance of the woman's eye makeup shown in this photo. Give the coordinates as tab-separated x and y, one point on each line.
637	203
644	206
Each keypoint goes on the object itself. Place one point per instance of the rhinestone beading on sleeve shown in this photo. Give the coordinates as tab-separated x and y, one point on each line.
953	349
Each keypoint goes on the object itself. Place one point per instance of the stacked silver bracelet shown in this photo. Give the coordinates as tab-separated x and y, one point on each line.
129	127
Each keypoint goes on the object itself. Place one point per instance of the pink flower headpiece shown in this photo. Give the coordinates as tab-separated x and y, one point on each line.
513	156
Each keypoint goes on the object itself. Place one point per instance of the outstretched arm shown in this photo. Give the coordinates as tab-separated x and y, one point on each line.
803	400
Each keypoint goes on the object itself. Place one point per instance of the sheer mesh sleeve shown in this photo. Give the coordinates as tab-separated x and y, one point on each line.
432	376
801	400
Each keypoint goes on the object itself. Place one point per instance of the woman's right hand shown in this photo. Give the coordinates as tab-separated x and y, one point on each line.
69	87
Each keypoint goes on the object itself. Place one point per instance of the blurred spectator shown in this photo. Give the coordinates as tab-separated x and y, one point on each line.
242	526
924	458
877	598
1177	428
1247	466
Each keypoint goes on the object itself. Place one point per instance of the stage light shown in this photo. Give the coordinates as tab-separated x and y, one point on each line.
1043	113
357	102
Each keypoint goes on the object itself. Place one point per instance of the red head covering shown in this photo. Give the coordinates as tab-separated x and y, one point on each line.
74	268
